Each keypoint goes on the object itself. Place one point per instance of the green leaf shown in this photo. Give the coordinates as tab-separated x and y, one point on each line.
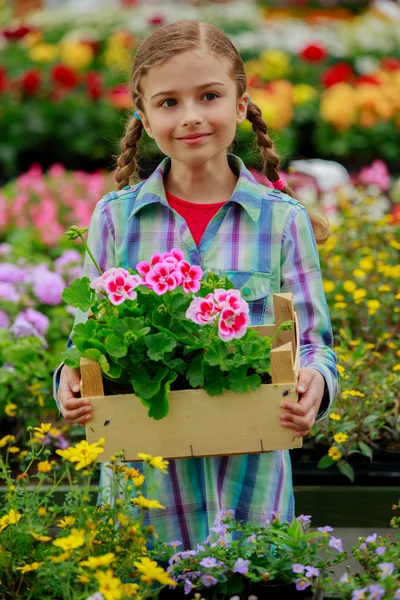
241	383
92	343
158	344
115	346
366	450
159	406
217	355
194	373
72	358
346	470
146	387
177	304
97	356
131	325
213	380
79	294
87	329
325	462
115	371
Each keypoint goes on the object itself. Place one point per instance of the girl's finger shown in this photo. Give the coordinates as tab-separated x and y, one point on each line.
72	415
301	423
71	403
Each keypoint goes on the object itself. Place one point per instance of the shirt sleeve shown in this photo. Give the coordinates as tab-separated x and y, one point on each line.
100	241
301	275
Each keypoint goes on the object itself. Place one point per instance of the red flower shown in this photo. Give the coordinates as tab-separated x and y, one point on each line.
390	64
370	79
157	20
94	82
119	96
64	76
314	52
3	80
16	33
396	213
337	74
31	81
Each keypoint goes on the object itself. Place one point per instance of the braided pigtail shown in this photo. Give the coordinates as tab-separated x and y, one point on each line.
127	164
271	164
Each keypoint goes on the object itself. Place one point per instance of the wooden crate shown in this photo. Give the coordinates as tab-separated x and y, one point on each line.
199	424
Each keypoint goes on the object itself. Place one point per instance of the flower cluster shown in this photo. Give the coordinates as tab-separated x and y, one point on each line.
118	284
227	307
167	271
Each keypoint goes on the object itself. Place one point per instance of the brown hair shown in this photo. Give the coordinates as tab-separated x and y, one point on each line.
170	41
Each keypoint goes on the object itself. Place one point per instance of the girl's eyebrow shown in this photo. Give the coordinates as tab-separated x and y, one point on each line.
199	87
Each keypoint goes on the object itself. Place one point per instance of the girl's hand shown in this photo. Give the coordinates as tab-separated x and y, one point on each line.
73	408
301	416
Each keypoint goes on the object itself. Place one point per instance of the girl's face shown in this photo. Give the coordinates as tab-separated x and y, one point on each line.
191	108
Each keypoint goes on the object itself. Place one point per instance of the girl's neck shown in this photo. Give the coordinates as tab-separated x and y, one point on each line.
209	183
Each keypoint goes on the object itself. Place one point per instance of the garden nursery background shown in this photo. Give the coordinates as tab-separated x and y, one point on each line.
326	75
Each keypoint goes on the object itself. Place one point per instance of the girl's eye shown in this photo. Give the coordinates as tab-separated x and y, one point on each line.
169	102
210	95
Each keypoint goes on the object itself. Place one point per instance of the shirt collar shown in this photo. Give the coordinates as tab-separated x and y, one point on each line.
247	192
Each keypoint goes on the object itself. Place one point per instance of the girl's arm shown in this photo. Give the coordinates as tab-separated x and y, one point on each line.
301	276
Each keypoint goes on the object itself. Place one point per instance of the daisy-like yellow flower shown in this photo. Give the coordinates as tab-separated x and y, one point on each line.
44	466
340	437
122	519
11	409
82	578
11	519
43	429
150	571
61	557
373	306
391	345
7	439
384	288
353	393
335	416
40	538
70	542
109	586
130	589
130	473
142	502
94	562
359	295
156	462
66	522
32	567
329	286
42	512
14	449
396	367
334	453
359	273
341	370
138	481
83	454
349	286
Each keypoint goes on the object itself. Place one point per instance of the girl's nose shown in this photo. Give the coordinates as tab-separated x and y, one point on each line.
191	115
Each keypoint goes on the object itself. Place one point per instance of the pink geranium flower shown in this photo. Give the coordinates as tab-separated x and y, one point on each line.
230	299
171	258
190	277
202	310
162	278
98	282
120	285
232	324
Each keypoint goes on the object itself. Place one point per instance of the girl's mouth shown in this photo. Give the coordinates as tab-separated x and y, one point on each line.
194	138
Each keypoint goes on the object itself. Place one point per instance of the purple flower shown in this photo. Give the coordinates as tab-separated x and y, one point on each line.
301	584
187	553
371	539
397	595
376	592
363	546
10	273
175	544
344	578
251	539
305	520
187	588
386	568
209	562
359	594
241	566
312	572
5	249
96	596
380	550
298	568
336	543
38	320
8	292
22	328
67	258
208	580
326	529
4	320
219	529
48	286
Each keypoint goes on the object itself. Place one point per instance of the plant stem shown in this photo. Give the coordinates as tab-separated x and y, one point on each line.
90	254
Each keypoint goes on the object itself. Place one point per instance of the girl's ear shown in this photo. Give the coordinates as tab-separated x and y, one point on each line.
241	109
145	123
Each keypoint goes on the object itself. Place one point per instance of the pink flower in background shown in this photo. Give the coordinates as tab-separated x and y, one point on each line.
202	310
56	171
5	249
23	328
8	292
120	286
68	265
190	277
47	286
38	320
162	278
3	211
4	320
376	174
232	324
10	273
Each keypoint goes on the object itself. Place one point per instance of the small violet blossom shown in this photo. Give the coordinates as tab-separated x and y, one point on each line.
336	543
188	585
371	539
344	578
208	580
325	530
380	550
302	584
359	594
298	568
305	520
397	595
376	592
386	569
23	328
209	562
312	572
241	566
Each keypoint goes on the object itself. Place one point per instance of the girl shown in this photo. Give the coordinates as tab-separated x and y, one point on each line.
189	88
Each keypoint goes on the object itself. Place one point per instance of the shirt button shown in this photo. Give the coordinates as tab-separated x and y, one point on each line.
246	291
276	192
127	187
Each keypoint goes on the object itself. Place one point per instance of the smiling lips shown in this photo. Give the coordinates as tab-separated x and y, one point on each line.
194	138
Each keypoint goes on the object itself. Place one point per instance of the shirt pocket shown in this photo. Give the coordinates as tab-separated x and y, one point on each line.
255	288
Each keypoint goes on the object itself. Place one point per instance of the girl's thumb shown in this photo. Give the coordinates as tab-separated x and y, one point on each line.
304	381
74	380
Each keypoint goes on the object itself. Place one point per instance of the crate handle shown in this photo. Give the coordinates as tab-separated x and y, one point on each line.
91	379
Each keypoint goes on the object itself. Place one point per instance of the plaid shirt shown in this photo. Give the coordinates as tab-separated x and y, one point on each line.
263	241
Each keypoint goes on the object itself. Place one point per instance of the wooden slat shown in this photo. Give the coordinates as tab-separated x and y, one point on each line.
282	364
91	379
283	311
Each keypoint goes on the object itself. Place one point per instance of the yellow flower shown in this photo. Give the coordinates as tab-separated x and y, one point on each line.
340	437
76	55
370	346
43	53
66	522
44	466
395	245
61	557
341	370
11	519
40	538
275	64
353	393
93	562
334	453
152	572
349	286
397	352
130	589
83	578
397	296
373	306
11	409
31	567
7	439
391	345
339	297
359	294
22	454
14	449
384	288
335	416
43	429
359	273
109	585
138	481
83	454
143	502
42	512
329	286
396	367
367	263
340	305
122	519
332	102
76	539
303	93
354	343
154	461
